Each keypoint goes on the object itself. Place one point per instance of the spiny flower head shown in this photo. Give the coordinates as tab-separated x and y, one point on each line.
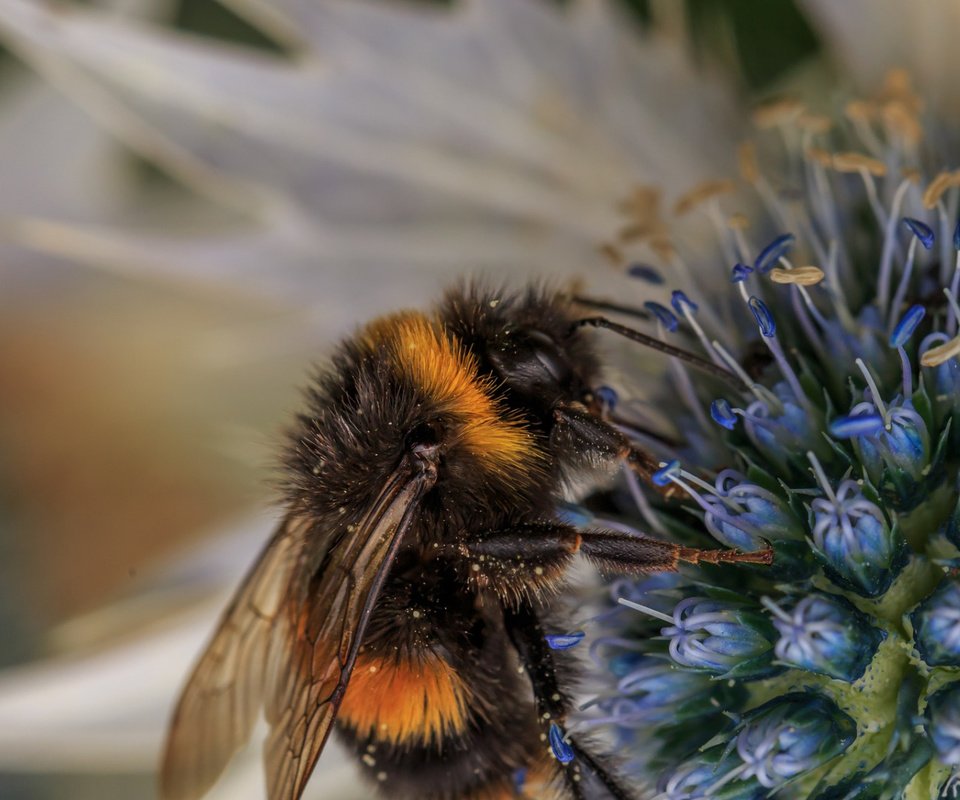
835	672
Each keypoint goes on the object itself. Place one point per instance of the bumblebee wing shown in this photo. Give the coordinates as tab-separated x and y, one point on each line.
222	698
288	640
308	673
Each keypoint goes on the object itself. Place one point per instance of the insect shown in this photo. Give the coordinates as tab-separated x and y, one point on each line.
404	599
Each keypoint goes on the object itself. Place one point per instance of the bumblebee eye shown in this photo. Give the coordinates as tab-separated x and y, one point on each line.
533	364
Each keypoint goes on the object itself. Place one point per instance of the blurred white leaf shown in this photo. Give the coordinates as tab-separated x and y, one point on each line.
398	147
496	135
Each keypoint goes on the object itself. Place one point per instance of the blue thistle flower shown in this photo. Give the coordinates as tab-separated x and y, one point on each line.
895	452
783	429
936	626
942	723
720	637
825	676
792	735
861	551
825	634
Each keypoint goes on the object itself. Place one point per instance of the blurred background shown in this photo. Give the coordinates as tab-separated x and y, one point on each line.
197	199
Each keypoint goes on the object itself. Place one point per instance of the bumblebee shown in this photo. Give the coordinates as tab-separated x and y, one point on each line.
404	599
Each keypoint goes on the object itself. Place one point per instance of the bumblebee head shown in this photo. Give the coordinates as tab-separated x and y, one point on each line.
529	343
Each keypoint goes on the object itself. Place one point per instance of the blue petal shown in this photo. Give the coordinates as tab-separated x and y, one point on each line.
861	425
663	314
607	396
561	749
773	252
722	414
921	230
739	273
519	779
680	302
646	273
906	326
765	321
573	514
564	641
956	236
662	476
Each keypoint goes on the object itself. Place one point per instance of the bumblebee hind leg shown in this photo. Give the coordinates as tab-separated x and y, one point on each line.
553	704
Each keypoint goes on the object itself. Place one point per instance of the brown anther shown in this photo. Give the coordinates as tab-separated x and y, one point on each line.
896	81
777	112
642	202
901	121
937	187
936	356
800	276
858	162
631	233
819	156
911	174
815	123
898	87
612	254
747	159
738	222
700	194
644	221
861	110
662	246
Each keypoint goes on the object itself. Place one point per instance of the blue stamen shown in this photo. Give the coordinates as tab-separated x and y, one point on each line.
906	326
904	283
564	641
519	779
681	303
936	626
645	272
956	236
860	425
723	414
573	514
562	750
921	230
663	314
906	373
773	252
765	321
607	396
889	247
666	474
740	273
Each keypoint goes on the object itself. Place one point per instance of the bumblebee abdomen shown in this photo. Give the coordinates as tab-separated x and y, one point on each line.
412	700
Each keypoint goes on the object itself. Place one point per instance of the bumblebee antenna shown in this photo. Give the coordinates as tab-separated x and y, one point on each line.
606	305
655	344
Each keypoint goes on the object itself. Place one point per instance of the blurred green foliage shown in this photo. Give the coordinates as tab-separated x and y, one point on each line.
762	38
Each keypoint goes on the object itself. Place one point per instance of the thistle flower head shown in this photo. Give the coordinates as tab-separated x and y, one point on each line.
833	307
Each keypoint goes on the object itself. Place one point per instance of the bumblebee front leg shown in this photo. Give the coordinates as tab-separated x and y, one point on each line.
578	430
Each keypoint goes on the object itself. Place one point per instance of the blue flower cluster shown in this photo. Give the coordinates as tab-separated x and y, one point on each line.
834	673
